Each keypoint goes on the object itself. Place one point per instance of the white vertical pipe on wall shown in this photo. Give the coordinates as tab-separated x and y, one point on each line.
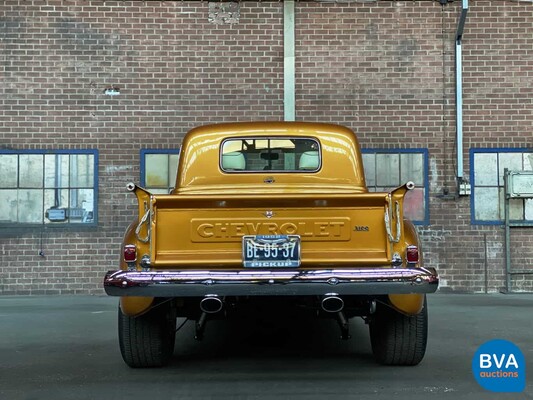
459	106
459	89
289	97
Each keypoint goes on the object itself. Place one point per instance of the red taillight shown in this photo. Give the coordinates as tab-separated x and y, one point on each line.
411	254
130	253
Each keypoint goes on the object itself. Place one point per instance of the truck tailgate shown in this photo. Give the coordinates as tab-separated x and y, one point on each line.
190	231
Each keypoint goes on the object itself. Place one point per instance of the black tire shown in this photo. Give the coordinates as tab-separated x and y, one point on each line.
398	339
148	339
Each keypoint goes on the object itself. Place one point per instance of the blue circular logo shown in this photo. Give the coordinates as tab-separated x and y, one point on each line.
500	366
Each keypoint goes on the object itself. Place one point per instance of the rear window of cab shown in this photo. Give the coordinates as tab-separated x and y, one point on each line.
275	154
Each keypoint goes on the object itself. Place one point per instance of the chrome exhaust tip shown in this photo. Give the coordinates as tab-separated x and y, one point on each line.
332	303
211	304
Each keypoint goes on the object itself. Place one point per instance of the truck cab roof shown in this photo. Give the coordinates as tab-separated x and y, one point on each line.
270	157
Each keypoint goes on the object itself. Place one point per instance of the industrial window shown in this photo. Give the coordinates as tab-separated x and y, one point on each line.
158	169
48	187
388	169
486	178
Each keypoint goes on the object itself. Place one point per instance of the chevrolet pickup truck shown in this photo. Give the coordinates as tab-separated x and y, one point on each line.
271	210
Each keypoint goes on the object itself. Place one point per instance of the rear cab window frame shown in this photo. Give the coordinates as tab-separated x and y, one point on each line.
266	138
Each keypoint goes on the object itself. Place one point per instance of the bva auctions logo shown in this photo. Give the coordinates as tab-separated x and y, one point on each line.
500	366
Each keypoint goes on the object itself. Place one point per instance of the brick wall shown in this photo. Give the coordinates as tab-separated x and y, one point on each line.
385	69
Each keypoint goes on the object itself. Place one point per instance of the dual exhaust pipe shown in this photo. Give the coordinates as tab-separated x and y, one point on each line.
211	304
332	303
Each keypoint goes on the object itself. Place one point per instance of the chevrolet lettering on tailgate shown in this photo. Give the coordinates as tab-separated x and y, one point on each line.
265	211
316	229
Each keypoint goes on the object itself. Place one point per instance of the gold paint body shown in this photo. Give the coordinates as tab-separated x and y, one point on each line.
201	223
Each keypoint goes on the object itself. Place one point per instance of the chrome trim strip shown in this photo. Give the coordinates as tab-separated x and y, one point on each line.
185	283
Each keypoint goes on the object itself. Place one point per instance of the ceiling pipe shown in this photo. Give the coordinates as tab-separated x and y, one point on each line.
459	90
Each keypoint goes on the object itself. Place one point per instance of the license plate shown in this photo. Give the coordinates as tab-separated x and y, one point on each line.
267	251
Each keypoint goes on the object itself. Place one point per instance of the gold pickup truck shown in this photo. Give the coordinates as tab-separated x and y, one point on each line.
266	210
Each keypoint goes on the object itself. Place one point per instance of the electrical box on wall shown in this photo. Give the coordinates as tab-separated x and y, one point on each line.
464	189
56	214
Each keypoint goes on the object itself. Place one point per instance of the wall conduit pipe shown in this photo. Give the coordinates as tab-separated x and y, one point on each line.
289	98
459	89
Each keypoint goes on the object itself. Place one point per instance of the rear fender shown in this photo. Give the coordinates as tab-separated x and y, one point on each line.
138	233
410	304
134	306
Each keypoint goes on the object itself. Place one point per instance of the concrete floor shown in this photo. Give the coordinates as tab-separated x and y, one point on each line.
67	348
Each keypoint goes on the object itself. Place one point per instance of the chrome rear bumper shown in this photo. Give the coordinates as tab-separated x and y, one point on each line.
185	283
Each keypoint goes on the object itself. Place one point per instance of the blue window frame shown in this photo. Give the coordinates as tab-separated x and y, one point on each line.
52	187
386	169
486	179
158	169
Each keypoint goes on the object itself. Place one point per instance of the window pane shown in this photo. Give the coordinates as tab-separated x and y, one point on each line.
486	203
388	169
8	206
31	170
511	161
82	170
55	205
412	168
414	206
516	209
30	206
528	209
158	191
528	161
173	169
280	154
8	166
369	163
260	144
81	206
56	198
156	170
56	172
486	169
290	161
